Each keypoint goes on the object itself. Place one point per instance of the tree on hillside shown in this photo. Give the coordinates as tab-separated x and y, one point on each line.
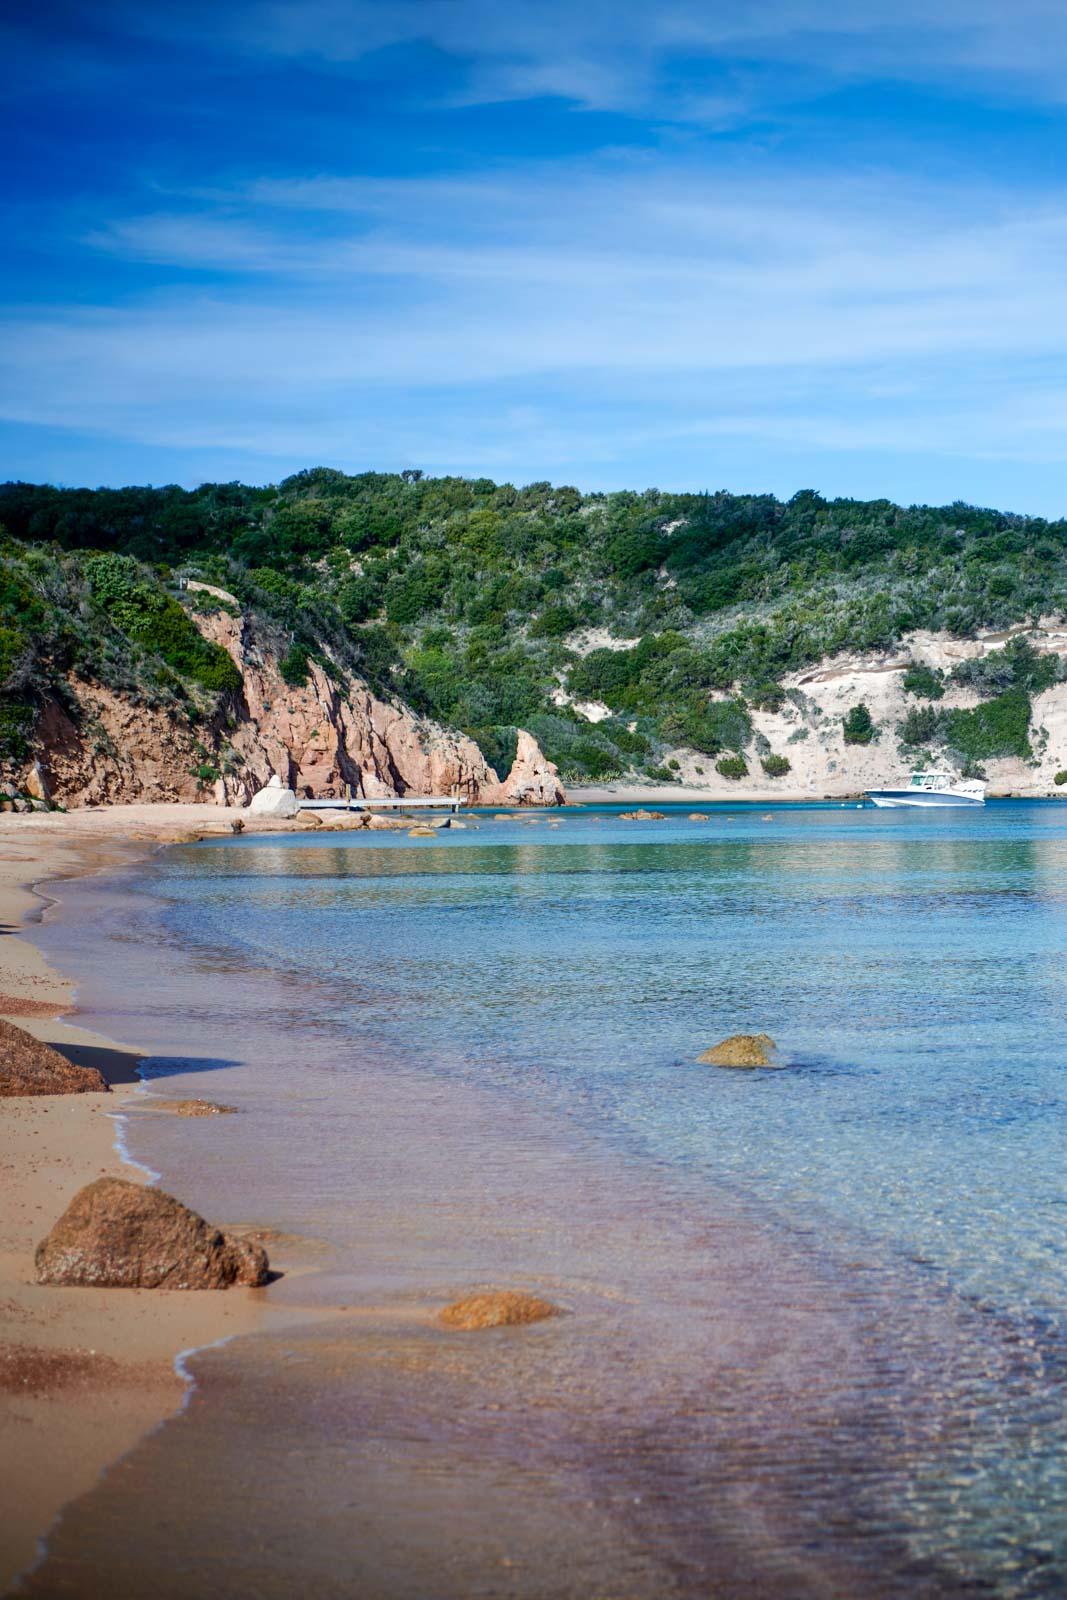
859	729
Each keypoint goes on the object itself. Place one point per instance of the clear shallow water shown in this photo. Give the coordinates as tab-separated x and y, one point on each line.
899	1185
913	970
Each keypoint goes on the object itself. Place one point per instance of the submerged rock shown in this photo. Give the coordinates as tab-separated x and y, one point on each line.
642	816
423	831
116	1234
189	1108
496	1308
29	1067
741	1050
699	816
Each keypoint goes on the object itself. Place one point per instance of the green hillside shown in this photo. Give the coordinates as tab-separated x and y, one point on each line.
467	598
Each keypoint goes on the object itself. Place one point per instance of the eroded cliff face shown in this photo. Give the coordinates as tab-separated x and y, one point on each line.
321	739
809	729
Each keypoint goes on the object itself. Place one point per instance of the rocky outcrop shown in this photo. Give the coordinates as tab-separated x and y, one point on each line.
741	1050
116	1234
532	781
642	816
496	1308
29	1067
324	739
275	800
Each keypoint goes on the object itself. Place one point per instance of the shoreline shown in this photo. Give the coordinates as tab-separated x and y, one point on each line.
676	794
85	1374
550	1207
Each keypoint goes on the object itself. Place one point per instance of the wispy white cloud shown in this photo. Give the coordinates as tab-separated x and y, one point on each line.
625	55
654	306
692	292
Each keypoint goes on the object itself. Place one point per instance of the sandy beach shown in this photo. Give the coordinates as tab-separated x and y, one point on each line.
84	1374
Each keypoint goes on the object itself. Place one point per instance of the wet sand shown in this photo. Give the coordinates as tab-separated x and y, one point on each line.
84	1374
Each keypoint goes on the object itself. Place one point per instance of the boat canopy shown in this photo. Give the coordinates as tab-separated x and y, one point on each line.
931	780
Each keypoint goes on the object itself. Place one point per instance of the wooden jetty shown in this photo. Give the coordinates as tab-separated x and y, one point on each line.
386	802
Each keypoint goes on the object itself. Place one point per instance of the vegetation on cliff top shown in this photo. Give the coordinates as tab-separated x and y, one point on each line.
478	602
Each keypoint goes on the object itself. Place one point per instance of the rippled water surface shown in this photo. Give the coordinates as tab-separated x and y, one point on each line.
896	1190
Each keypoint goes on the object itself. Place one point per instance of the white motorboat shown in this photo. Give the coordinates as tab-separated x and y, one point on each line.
932	789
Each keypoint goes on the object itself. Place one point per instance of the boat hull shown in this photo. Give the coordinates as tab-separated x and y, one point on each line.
887	798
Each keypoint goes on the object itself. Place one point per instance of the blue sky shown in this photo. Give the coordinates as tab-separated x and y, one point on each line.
749	246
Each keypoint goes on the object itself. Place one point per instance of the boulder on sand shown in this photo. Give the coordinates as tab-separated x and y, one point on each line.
274	801
496	1308
116	1234
29	1067
742	1050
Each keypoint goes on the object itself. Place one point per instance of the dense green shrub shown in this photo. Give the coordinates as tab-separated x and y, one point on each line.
858	726
922	725
766	696
143	612
359	599
711	726
636	550
1061	777
998	727
634	743
16	725
732	767
1017	666
294	666
553	623
926	683
776	766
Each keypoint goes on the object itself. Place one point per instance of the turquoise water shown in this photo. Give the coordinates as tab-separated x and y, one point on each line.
912	968
898	1183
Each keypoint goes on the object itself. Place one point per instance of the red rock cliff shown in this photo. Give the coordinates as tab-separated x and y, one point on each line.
320	739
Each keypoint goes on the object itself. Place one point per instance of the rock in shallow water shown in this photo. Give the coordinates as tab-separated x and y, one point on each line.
642	816
29	1067
496	1308
742	1050
116	1234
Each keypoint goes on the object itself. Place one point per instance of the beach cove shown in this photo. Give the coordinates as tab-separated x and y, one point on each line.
749	1387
